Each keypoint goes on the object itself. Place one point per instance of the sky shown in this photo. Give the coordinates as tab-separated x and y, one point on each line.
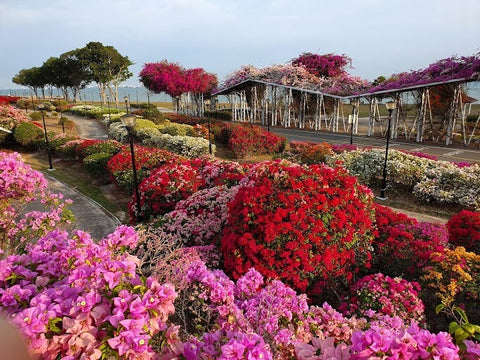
382	37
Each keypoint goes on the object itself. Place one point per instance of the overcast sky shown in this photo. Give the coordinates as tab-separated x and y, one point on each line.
381	36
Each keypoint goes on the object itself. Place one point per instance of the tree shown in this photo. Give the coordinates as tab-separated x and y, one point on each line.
175	80
31	78
105	66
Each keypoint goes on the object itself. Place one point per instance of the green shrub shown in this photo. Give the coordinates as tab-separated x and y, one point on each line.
219	115
23	103
25	133
36	116
67	124
153	114
54	114
96	164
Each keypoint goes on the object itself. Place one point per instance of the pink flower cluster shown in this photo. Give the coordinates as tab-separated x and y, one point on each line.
19	186
388	296
75	298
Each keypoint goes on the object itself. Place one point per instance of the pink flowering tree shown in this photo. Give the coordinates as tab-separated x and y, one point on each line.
21	186
175	80
328	65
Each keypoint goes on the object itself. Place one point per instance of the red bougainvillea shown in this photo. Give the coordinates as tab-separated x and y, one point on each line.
464	230
308	226
245	139
328	65
166	186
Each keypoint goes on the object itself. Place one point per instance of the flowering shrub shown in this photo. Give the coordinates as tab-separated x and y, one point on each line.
72	297
93	112
387	296
405	249
385	217
9	118
218	172
118	132
308	226
183	145
164	187
246	139
69	150
60	139
430	180
19	186
146	159
6	100
200	219
454	275
311	153
464	230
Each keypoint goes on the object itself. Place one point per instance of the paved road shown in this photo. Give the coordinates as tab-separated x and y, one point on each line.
441	152
89	128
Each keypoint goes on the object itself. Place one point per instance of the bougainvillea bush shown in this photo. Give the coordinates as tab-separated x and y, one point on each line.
464	230
166	185
74	298
20	186
387	296
308	226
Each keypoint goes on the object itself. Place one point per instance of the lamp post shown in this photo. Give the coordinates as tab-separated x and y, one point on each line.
41	107
148	99
209	138
126	103
391	106
355	104
129	120
108	105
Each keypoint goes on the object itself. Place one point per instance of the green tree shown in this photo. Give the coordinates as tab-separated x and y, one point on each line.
31	78
105	66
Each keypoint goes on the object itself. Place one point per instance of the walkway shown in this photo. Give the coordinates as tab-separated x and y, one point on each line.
90	216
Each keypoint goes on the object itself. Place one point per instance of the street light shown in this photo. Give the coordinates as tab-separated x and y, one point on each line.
209	138
108	104
391	106
129	120
355	104
41	107
126	102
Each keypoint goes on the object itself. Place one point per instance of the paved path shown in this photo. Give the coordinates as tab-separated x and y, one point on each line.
90	216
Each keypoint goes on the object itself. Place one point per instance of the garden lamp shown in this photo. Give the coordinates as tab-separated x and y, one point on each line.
42	107
391	106
129	121
354	103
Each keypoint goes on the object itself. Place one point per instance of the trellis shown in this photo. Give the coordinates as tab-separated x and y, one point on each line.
287	106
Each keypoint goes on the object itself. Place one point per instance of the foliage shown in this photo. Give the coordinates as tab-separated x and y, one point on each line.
464	230
11	117
26	132
310	153
93	112
90	147
308	226
20	185
60	139
73	297
96	164
388	296
9	100
118	132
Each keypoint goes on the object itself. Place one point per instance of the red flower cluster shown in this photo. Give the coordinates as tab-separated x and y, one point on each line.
120	165
464	230
308	226
166	185
403	246
246	139
6	100
311	153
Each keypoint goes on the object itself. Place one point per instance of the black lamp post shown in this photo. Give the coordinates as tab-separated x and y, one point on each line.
355	104
391	106
126	102
129	120
148	98
41	107
209	138
108	104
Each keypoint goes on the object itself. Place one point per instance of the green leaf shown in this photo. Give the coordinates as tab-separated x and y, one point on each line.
461	313
452	327
460	335
469	328
439	308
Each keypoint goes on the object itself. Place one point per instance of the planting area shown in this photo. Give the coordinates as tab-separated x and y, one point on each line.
290	257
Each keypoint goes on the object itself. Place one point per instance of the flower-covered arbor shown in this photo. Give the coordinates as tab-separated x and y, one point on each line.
309	92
